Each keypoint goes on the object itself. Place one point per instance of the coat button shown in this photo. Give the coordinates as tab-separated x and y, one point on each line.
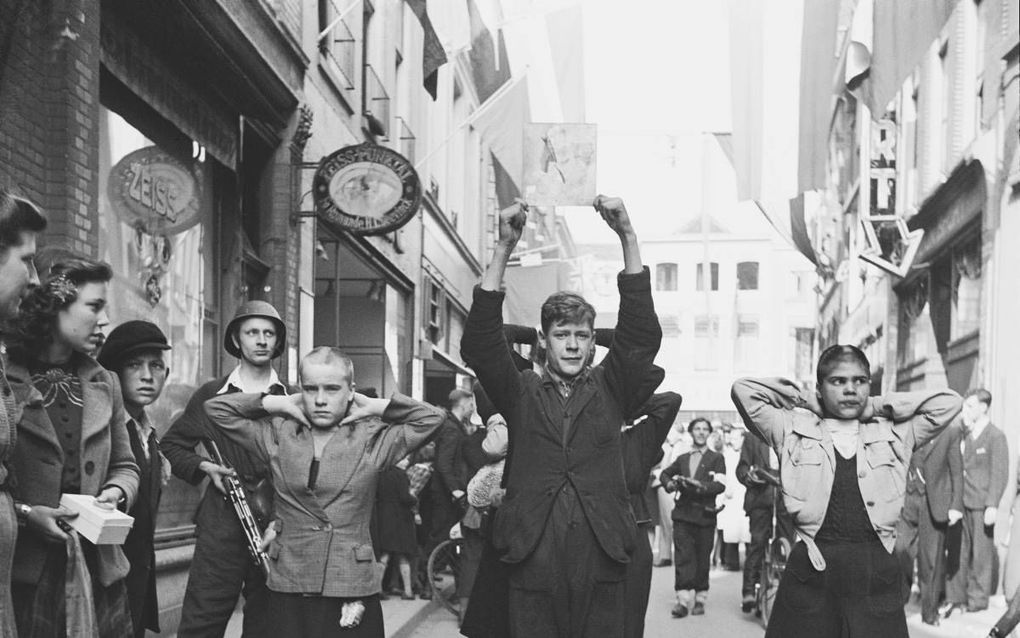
870	503
862	473
90	467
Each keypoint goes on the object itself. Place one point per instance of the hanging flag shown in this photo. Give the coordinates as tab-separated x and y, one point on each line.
506	190
903	31
566	47
817	68
500	121
490	67
433	55
789	218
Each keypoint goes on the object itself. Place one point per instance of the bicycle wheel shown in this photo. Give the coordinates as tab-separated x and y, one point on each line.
772	572
444	571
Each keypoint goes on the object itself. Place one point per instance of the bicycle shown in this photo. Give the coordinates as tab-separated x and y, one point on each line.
774	561
443	571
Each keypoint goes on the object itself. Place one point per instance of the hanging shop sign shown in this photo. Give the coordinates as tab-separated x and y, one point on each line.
888	243
366	189
153	191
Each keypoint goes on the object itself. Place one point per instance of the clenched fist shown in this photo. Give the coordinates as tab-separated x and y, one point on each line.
614	213
511	223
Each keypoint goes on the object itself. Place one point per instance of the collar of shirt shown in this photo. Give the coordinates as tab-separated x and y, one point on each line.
234	382
565	386
143	427
978	427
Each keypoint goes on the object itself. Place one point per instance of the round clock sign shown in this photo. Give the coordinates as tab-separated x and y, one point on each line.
366	189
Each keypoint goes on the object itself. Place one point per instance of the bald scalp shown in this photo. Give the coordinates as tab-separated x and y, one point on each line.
331	356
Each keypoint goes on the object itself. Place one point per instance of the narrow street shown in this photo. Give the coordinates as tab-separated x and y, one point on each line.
723	617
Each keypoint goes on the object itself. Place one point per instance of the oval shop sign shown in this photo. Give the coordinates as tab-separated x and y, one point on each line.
153	190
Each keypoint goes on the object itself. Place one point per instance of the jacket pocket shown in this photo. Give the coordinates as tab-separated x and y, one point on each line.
807	452
363	553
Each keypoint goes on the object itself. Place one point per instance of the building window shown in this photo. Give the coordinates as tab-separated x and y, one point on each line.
966	296
699	283
748	345
945	97
338	44
434	311
747	275
665	277
706	342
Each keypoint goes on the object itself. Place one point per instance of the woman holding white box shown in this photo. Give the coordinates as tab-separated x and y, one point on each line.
72	438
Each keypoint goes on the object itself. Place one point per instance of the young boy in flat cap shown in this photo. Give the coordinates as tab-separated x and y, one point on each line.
135	351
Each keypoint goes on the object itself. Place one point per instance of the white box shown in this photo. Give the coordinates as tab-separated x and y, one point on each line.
99	525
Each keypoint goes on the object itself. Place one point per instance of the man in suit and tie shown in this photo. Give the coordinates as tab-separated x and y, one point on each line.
933	503
222	568
326	447
134	351
985	472
697	477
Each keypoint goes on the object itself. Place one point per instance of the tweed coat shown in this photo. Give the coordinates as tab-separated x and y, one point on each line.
558	442
941	465
324	544
106	459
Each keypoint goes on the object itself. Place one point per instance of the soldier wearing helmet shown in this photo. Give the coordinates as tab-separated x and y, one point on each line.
221	568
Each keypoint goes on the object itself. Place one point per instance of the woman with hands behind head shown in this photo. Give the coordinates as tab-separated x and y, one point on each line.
326	447
843	458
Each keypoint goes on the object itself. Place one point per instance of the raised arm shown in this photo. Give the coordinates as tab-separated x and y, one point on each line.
242	416
638	335
921	415
766	406
659	412
483	345
409	423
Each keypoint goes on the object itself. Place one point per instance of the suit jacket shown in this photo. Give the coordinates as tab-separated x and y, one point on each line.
755	453
139	546
324	544
985	469
106	459
451	471
698	509
557	442
940	465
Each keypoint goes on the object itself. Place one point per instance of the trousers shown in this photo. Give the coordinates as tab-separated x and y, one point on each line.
920	538
692	546
972	582
639	585
221	570
859	595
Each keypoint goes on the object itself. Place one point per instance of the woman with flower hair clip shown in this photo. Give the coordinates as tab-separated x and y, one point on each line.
72	438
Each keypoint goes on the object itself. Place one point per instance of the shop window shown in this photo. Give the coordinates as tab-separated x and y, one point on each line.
665	277
747	275
966	306
156	230
915	322
699	282
706	342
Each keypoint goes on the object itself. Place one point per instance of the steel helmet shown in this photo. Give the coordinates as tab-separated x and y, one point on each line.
250	309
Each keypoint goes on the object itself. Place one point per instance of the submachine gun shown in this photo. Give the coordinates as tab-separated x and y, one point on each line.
238	498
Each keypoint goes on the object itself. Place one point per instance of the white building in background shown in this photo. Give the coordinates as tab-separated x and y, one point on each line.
753	314
733	296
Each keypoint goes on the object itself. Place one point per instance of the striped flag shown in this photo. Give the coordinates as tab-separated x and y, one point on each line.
433	55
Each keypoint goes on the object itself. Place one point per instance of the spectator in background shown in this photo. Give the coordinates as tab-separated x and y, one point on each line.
20	224
393	536
677	442
135	352
985	472
933	504
758	472
732	522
